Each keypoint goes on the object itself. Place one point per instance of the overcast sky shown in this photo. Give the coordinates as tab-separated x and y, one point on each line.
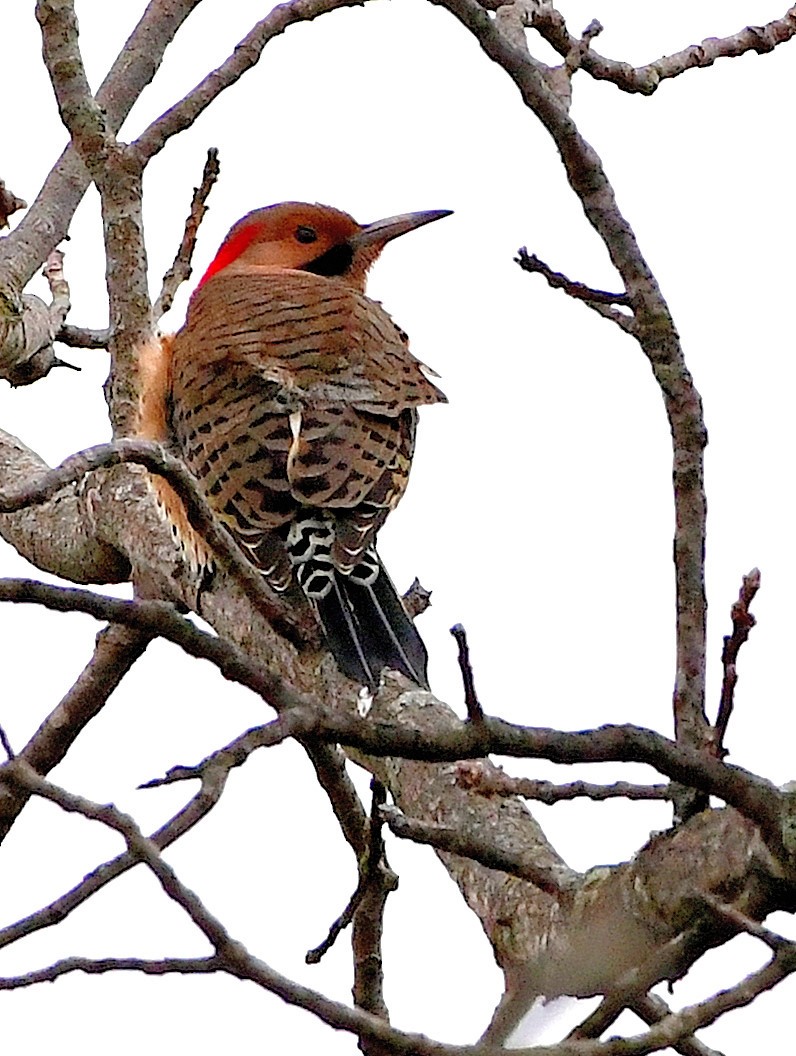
539	511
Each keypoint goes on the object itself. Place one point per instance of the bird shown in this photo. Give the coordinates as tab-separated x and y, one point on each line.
292	398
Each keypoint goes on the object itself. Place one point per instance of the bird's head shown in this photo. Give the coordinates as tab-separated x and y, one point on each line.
315	238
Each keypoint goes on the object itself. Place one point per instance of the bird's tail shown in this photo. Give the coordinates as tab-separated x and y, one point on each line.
367	627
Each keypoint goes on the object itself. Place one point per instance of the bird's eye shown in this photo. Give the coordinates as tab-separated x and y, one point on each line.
306	234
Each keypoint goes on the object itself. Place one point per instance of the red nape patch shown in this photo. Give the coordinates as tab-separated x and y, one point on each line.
230	250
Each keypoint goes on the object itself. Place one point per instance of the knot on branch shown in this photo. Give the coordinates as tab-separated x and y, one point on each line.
29	326
9	203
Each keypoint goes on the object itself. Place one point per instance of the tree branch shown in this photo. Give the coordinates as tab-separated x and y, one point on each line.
656	333
116	650
645	79
245	55
742	623
169	965
297	629
180	270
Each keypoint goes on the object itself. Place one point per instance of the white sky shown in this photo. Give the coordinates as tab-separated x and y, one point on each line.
540	510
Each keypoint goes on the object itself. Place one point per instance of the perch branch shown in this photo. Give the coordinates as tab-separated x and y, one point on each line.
156	460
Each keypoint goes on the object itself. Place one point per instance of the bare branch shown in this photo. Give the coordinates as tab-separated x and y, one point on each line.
6	744
182	965
739	921
213	783
296	628
231	955
467	845
656	333
652	1009
742	623
245	55
81	337
366	939
290	724
369	876
82	115
497	783
47	221
474	710
115	652
180	270
645	79
159	618
598	300
27	335
673	1028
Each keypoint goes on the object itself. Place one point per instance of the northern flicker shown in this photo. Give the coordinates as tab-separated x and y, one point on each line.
293	401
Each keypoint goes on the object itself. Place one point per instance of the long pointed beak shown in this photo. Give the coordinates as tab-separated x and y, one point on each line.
382	231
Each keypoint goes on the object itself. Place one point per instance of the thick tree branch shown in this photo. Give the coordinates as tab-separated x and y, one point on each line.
152	456
57	535
47	221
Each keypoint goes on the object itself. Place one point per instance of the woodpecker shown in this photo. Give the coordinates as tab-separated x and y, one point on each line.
293	400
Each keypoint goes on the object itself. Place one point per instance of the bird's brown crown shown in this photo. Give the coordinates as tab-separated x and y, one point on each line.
294	235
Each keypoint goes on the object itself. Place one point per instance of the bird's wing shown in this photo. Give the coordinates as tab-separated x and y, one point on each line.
327	343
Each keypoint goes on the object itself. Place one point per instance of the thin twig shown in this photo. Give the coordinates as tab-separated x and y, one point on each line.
180	270
160	618
291	724
245	55
741	922
213	784
369	869
167	966
475	713
558	281
6	744
368	929
742	623
497	783
115	651
599	301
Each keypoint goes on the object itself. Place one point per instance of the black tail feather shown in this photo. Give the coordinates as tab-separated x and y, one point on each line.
367	629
